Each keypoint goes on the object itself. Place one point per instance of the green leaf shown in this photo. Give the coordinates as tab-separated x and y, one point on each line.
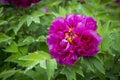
53	3
104	2
70	74
22	20
116	42
62	11
29	64
99	58
94	3
103	29
36	19
1	9
86	10
35	16
4	37
28	40
36	56
94	64
55	14
23	49
43	64
99	67
20	76
41	38
29	20
13	58
34	75
106	36
80	72
2	22
32	59
78	69
13	48
97	64
89	64
51	66
7	74
42	72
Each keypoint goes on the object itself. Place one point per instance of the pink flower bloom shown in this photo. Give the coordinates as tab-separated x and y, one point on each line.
72	37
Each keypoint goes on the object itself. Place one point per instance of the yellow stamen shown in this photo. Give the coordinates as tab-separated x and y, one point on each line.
69	39
70	35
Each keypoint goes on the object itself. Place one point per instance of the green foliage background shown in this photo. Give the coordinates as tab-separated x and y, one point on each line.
23	51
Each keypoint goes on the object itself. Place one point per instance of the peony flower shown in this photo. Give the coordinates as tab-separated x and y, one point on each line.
117	1
34	1
24	3
72	37
5	1
20	3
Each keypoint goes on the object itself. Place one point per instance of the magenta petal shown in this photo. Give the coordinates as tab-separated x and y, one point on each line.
91	23
34	1
67	58
21	3
79	29
58	24
73	19
52	40
93	34
63	43
70	20
89	45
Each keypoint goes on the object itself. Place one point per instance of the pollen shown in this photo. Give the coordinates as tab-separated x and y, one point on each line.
70	35
69	39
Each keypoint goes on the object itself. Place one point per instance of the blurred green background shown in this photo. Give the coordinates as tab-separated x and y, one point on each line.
24	54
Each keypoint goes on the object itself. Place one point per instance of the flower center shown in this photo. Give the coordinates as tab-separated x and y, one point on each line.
70	35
